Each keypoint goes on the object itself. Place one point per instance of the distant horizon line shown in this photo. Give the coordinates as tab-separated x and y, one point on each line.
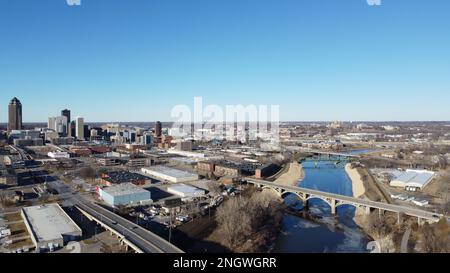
285	121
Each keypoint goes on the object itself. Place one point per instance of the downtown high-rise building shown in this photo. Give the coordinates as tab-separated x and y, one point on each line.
79	128
58	124
15	115
158	129
66	113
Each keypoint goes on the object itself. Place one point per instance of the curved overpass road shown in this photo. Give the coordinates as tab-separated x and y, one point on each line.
147	241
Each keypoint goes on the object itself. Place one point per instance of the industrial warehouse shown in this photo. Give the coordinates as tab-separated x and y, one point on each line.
125	194
50	227
186	191
413	179
170	174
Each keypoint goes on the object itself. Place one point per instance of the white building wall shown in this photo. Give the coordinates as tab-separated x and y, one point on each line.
79	128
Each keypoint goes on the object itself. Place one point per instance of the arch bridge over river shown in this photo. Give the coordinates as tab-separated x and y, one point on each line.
336	200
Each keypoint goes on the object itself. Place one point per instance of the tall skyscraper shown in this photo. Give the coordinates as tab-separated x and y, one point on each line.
158	129
66	113
15	115
79	128
58	124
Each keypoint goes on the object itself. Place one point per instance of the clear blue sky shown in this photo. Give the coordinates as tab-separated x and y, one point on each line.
122	60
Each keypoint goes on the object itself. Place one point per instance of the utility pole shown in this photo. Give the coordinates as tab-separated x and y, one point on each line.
170	226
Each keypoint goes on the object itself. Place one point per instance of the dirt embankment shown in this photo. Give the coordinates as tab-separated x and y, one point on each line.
365	187
357	181
292	176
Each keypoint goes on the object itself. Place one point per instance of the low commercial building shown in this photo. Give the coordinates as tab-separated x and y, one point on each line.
120	177
58	155
184	146
137	162
205	167
126	194
267	170
170	174
28	142
223	168
107	161
80	151
50	227
62	141
5	232
186	153
413	179
186	191
8	176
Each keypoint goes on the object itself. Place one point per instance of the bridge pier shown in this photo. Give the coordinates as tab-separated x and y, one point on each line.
420	221
333	206
306	204
399	219
367	210
124	244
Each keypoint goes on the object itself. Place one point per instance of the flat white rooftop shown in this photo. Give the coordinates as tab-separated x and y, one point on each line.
413	178
170	172
123	189
49	222
186	190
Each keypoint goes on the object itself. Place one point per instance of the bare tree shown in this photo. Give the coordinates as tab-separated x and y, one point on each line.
435	238
214	187
240	217
233	221
87	173
382	232
123	210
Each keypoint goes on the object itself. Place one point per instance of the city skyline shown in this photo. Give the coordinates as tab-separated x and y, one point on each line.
110	61
168	120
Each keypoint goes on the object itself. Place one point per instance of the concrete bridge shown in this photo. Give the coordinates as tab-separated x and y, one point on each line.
318	152
113	232
336	200
130	235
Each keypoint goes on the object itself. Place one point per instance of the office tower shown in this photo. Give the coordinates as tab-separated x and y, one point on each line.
87	131
94	132
15	115
79	128
158	129
147	139
72	128
66	113
58	124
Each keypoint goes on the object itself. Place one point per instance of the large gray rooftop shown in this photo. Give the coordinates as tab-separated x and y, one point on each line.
49	222
123	189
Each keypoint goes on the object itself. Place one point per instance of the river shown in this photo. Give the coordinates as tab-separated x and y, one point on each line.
329	233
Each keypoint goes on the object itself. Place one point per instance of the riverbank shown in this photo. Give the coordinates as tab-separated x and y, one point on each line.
358	187
359	191
292	176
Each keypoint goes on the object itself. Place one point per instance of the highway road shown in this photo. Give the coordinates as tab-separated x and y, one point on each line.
351	200
147	241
